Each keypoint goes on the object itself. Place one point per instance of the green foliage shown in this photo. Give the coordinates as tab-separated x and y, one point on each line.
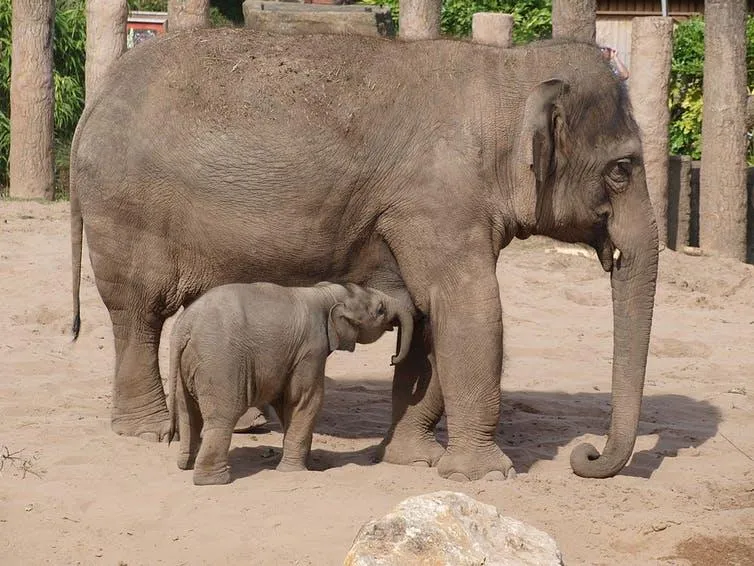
686	84
221	12
531	17
148	5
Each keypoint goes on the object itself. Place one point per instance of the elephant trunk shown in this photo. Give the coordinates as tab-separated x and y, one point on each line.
632	230
406	319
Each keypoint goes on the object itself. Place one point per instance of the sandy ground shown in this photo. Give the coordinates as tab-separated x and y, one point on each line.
72	492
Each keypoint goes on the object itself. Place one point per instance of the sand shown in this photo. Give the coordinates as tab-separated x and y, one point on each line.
73	492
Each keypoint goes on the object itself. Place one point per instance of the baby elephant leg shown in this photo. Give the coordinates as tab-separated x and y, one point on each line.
301	406
189	427
212	462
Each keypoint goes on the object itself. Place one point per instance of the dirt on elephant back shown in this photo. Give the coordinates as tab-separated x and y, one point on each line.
72	492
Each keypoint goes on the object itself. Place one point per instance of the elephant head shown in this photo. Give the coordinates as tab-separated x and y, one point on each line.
579	177
363	314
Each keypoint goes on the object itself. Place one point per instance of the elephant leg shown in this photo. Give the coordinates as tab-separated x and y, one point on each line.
139	407
254	417
190	424
212	461
417	407
303	402
467	338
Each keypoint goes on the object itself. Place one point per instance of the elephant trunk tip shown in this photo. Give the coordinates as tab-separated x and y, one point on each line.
406	320
587	462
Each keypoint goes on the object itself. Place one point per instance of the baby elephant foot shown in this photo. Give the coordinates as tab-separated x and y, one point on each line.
186	460
483	462
207	477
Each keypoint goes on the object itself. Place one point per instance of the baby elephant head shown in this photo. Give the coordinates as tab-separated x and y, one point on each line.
363	315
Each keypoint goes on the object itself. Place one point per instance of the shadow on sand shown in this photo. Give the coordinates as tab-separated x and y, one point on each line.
534	426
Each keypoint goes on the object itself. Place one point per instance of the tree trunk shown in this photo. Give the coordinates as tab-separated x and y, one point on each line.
722	182
575	19
419	19
187	14
32	164
105	39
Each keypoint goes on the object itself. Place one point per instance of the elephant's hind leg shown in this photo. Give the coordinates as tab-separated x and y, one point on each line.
212	466
417	407
190	424
139	407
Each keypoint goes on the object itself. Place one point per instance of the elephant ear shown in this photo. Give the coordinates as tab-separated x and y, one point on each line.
542	128
342	330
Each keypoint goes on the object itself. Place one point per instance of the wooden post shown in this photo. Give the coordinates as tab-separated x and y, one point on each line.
187	14
651	53
575	19
722	190
419	19
105	39
31	159
492	28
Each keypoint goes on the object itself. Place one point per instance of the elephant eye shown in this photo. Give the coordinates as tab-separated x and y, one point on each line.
619	174
380	309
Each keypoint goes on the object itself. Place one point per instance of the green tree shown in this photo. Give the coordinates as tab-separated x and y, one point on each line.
531	17
686	82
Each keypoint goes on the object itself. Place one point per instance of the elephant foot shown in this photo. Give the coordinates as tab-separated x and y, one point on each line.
410	449
186	461
253	418
284	466
153	428
469	464
212	477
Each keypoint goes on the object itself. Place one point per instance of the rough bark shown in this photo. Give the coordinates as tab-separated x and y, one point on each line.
651	52
187	14
722	198
575	19
492	28
32	164
105	38
419	19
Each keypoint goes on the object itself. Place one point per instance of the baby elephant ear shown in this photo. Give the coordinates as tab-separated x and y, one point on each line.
342	331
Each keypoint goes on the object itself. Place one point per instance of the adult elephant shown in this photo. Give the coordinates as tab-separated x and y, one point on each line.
224	155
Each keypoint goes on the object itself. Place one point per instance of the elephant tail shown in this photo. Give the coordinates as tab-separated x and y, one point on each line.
77	235
177	344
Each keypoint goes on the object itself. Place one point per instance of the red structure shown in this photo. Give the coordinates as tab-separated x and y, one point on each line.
144	25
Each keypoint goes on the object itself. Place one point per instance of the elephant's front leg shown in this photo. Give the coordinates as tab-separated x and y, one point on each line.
467	332
417	406
299	411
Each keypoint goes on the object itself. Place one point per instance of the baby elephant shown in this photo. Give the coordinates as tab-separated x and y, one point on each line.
244	345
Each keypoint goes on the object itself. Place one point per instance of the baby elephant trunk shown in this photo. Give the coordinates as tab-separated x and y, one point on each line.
406	319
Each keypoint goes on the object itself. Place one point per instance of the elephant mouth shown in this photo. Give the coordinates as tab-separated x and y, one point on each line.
609	255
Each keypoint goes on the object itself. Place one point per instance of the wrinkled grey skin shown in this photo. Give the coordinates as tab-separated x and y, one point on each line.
241	345
405	167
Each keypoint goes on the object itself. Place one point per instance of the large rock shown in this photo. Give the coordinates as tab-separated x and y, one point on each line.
447	528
